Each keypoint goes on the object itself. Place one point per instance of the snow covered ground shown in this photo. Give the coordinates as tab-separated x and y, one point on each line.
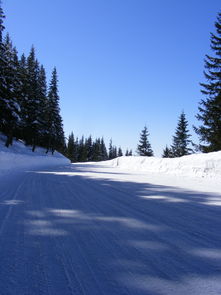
128	226
18	156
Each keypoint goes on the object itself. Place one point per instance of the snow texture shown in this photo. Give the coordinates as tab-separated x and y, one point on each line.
18	156
200	165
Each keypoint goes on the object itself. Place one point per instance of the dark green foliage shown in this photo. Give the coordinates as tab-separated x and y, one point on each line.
70	152
87	149
128	153
119	153
9	104
112	151
167	153
210	107
180	146
144	147
55	135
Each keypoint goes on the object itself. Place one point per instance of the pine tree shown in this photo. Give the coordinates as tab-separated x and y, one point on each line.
9	103
89	148
180	146
104	155
56	139
167	152
110	153
114	154
82	150
31	106
144	147
130	153
119	153
210	107
70	147
42	110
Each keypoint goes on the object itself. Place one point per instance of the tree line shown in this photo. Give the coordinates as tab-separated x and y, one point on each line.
87	149
29	109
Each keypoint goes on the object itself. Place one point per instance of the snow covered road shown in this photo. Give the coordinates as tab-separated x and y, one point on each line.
90	229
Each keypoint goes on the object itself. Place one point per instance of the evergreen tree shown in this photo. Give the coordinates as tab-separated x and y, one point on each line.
71	147
144	147
89	148
56	139
104	155
119	153
82	150
110	153
2	16
167	152
180	146
210	107
114	153
130	153
9	103
42	110
32	105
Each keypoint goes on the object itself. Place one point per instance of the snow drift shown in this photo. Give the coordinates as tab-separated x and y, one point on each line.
200	165
19	156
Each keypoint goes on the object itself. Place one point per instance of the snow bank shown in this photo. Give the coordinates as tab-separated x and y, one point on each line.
201	165
19	156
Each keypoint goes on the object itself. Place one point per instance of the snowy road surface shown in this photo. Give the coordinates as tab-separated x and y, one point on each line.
90	229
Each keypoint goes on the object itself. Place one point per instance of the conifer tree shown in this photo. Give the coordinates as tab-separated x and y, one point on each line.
89	148
167	152
70	147
180	146
31	106
119	152
110	153
210	107
144	147
9	103
56	138
114	154
104	155
82	150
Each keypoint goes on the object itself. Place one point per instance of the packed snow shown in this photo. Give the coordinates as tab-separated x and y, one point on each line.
18	156
199	165
132	225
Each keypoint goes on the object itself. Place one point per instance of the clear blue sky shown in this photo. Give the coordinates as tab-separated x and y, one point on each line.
121	63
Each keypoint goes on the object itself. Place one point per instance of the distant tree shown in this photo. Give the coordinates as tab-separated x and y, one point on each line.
130	153
110	154
104	155
89	148
82	150
71	148
144	147
119	153
180	145
210	107
114	154
167	152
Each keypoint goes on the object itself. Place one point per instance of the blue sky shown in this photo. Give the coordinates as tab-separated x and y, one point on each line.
121	63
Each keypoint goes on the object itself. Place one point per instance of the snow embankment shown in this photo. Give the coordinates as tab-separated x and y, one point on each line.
197	165
18	157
